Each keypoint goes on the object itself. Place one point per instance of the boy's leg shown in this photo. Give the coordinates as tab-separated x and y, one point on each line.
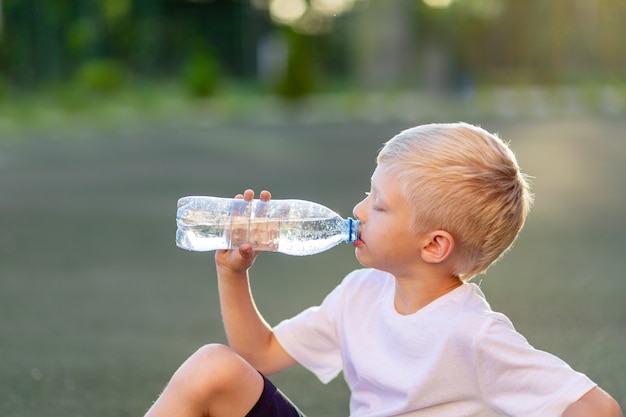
214	381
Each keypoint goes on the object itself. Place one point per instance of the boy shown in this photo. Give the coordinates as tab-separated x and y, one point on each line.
411	335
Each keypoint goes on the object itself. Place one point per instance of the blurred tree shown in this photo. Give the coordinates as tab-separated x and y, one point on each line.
101	76
91	22
299	76
149	18
437	43
201	73
1	21
384	43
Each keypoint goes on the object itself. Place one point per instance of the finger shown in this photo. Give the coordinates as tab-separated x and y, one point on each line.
265	195
248	194
246	251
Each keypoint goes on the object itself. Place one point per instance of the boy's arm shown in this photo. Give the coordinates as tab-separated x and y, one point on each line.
247	332
596	403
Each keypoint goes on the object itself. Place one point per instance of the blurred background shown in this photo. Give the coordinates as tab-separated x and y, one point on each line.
110	110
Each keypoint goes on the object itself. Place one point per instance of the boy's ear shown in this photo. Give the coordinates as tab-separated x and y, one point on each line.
437	247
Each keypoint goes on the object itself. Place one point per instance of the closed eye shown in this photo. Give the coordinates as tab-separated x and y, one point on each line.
374	206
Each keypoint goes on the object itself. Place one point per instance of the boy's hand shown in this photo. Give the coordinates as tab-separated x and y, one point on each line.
239	260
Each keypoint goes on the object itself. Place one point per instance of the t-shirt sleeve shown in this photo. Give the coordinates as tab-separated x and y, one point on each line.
519	380
312	337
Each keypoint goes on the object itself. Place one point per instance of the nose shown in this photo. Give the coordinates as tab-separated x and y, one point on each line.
358	212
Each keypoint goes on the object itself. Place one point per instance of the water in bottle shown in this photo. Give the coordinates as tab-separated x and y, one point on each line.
293	227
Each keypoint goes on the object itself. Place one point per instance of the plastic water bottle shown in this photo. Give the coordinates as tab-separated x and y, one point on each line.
293	227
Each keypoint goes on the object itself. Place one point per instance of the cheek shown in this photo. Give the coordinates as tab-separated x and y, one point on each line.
392	236
383	235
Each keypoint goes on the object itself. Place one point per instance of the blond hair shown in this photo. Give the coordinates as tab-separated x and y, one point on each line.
464	180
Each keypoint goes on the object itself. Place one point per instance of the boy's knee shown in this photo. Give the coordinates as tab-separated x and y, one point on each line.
213	353
217	357
212	368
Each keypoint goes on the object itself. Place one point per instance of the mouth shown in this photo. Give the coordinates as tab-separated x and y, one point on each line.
358	243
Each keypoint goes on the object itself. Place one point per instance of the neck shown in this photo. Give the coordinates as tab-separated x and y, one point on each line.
414	294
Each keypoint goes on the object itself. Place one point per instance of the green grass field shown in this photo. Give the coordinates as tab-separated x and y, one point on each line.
99	306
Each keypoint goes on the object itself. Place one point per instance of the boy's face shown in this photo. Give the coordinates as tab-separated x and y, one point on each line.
386	241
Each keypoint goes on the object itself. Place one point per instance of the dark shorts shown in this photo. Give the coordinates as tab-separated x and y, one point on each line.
273	403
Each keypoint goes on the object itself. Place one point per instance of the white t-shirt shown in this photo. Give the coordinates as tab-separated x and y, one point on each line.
455	357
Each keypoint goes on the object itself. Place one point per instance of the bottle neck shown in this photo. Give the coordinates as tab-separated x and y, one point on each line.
352	226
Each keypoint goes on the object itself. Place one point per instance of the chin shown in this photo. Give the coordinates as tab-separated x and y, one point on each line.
361	259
